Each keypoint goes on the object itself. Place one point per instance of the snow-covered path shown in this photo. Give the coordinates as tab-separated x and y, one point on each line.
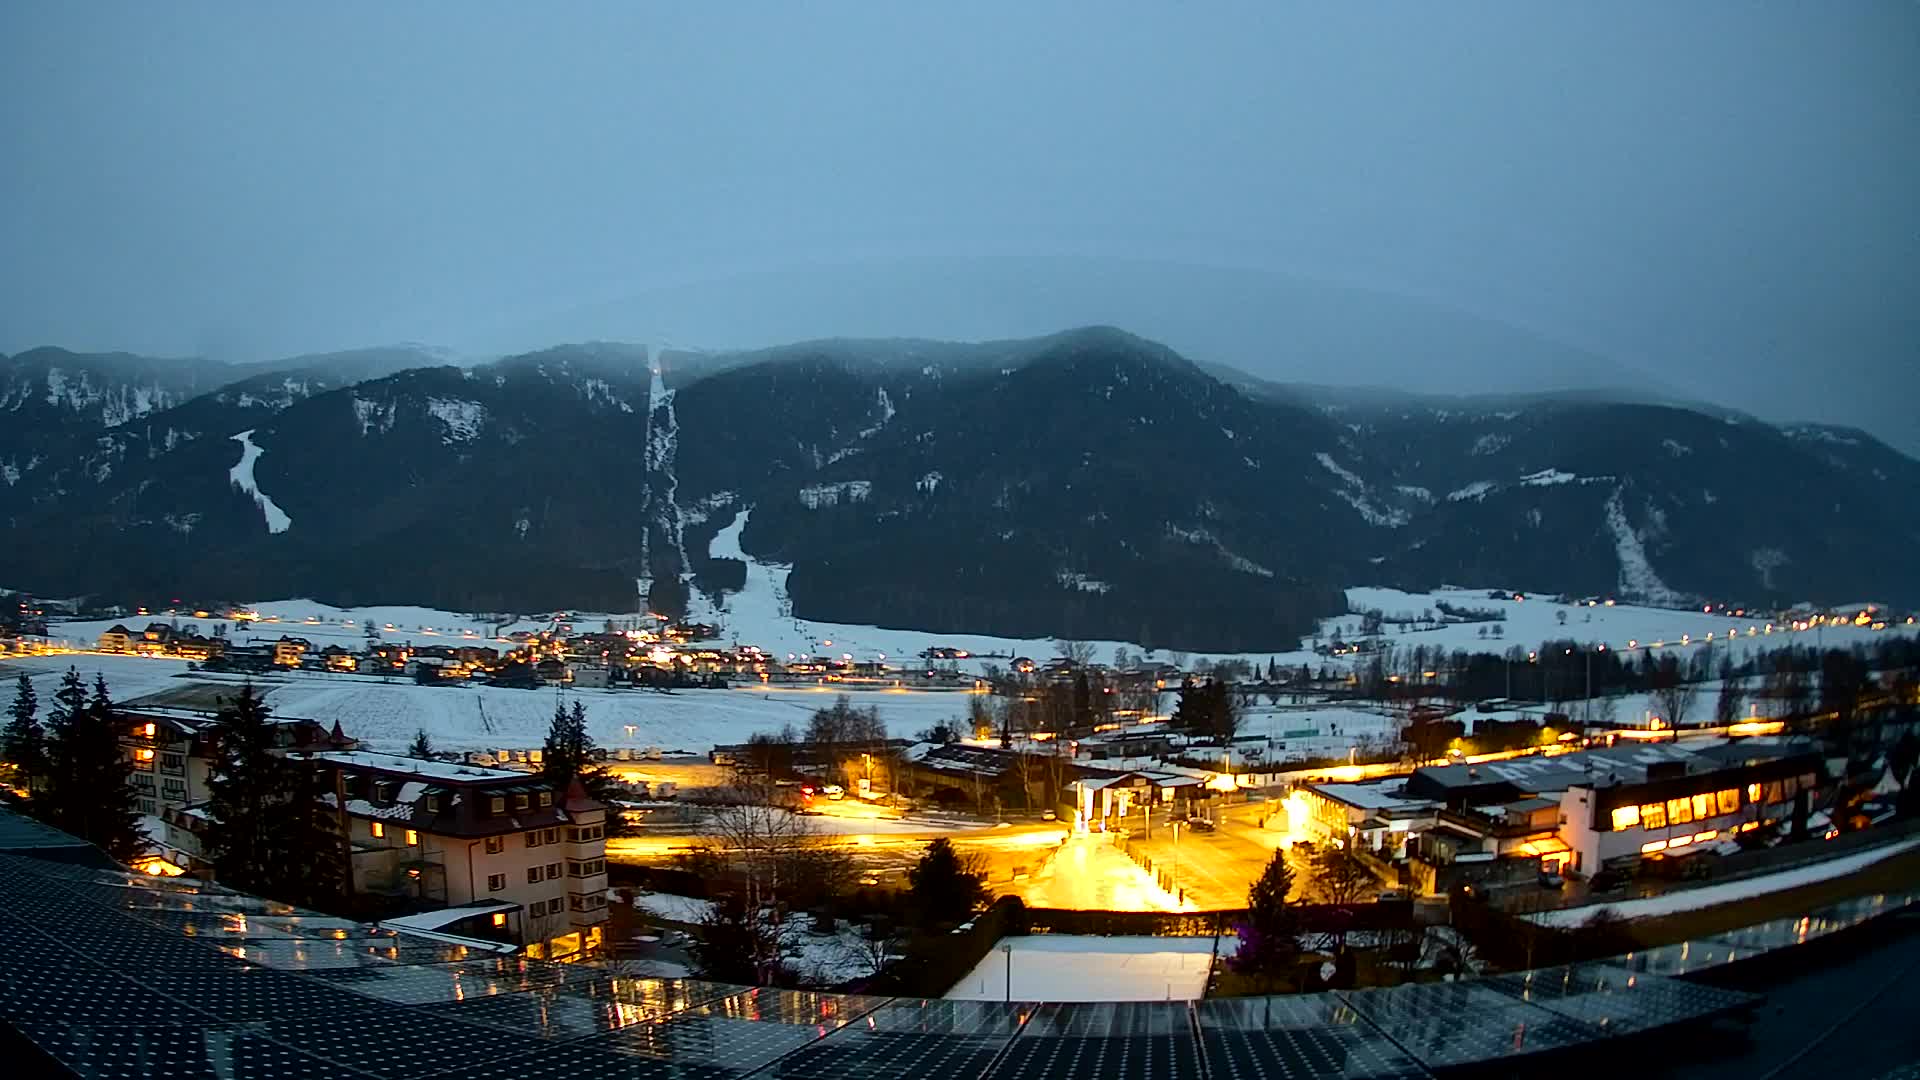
242	477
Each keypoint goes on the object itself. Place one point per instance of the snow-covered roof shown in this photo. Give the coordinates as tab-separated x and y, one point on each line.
1386	794
448	771
435	920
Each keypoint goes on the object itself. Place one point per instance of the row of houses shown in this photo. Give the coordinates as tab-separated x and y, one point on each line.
1578	813
442	846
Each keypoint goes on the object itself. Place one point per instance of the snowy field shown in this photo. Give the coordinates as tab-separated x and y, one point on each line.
761	614
1711	895
384	713
1065	967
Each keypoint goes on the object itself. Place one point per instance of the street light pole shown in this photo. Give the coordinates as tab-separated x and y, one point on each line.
1007	951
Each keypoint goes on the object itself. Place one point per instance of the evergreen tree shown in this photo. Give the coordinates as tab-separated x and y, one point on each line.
24	742
90	790
308	857
1269	937
569	751
248	784
420	747
946	887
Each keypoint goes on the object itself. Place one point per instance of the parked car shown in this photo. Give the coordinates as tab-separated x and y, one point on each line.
1199	824
1391	894
1607	881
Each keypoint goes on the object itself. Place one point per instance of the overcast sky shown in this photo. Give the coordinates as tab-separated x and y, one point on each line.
1723	196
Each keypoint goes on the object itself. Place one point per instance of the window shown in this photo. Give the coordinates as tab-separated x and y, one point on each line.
433	804
496	844
1625	817
496	882
174	789
533	875
551	836
1654	815
497	805
579	902
585	833
546	798
383	791
553	871
142	780
172	763
146	806
1703	806
586	867
1753	793
378	830
499	918
537	908
519	802
1679	811
147	729
1729	801
413	838
533	838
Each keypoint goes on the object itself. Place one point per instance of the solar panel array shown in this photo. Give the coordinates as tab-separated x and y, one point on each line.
113	974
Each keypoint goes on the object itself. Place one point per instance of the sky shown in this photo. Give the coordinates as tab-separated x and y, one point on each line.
1716	198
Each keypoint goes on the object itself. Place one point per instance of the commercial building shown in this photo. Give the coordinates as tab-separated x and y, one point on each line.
1576	813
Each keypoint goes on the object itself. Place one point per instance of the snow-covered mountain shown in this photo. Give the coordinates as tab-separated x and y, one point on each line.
1087	484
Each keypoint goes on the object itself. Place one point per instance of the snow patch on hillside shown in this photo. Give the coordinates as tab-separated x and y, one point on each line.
1676	448
886	413
373	414
10	473
1475	491
461	419
1074	580
1414	491
663	454
1637	577
1548	478
1355	495
815	496
242	477
1489	444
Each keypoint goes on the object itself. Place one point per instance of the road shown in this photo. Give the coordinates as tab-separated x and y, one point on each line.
1214	869
881	847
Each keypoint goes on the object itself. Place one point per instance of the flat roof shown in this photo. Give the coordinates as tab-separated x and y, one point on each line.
401	765
435	920
1386	794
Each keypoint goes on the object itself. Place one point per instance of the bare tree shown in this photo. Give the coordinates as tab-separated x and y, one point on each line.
1079	652
1674	702
773	852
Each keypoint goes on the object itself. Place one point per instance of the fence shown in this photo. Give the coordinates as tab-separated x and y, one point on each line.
936	962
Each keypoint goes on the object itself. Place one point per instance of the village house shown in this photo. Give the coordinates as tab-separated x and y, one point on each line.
116	639
288	651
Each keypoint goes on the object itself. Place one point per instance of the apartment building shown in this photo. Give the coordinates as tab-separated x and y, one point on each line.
173	751
502	852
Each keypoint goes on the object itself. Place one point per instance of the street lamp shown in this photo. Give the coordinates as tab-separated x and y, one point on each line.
1007	951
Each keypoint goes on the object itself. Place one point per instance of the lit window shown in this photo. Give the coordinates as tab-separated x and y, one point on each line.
496	845
1654	815
499	918
1703	837
413	838
1679	841
497	804
519	802
546	798
1753	793
1653	846
1679	811
1625	817
1702	807
147	730
144	755
377	829
1729	801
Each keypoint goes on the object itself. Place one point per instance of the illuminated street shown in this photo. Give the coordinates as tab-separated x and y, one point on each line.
1090	873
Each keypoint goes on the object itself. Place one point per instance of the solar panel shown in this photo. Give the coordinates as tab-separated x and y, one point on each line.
1446	1024
912	1038
1613	1000
1287	1038
1107	1039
